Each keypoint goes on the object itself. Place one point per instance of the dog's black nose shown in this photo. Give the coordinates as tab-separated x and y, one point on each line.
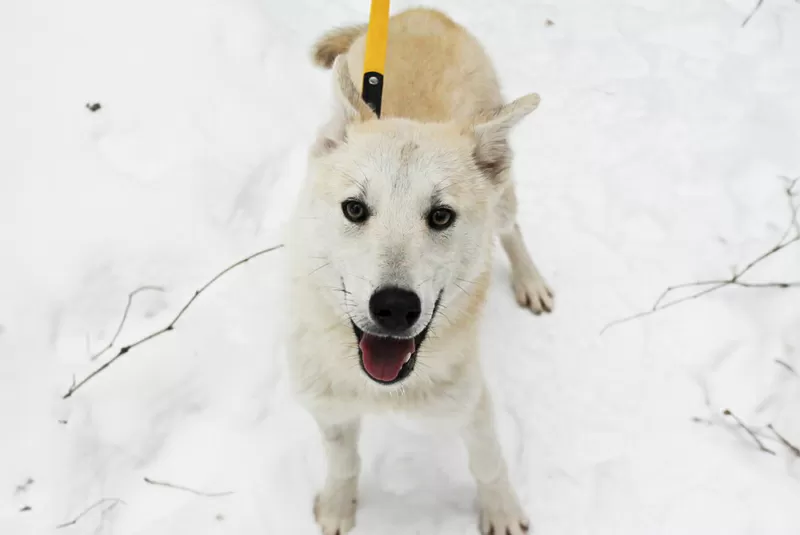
395	309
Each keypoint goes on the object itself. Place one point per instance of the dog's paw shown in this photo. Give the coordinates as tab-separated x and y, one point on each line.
500	511
501	522
532	292
335	515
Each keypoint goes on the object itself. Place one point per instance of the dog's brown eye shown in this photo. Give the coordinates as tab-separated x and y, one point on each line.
355	211
441	218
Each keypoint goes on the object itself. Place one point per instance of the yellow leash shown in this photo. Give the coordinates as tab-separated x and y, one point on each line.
375	54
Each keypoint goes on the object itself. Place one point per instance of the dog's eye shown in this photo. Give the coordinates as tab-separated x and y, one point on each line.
441	218
355	211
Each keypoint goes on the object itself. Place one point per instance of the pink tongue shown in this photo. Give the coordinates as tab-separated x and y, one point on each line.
384	357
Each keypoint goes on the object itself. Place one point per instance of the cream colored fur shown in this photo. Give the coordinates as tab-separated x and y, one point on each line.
442	138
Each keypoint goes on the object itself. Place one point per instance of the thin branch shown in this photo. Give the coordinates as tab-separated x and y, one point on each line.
733	281
790	236
703	421
782	245
124	350
750	16
24	486
713	286
187	489
116	501
124	319
749	431
786	365
794	449
793	208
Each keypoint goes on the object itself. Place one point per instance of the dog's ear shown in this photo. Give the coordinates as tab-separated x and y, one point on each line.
349	108
492	152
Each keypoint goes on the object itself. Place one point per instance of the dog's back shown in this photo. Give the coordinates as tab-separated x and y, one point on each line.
435	71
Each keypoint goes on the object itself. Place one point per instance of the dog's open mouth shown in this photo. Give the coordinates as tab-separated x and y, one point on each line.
389	360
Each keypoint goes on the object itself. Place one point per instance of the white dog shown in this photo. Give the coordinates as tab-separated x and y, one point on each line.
390	253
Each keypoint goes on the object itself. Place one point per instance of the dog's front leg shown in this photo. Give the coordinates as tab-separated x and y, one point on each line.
335	505
530	288
500	511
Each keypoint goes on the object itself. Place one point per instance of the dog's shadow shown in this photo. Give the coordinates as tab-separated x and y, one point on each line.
414	482
450	510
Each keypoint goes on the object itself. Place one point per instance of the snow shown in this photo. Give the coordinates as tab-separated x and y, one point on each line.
653	160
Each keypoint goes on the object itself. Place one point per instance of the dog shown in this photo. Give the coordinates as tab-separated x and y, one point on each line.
390	252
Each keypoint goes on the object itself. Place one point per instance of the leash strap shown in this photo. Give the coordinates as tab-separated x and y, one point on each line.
375	54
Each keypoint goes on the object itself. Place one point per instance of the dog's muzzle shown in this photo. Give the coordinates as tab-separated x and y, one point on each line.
388	358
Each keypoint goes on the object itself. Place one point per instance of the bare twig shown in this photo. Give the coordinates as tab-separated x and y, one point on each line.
794	449
790	236
187	489
703	421
124	350
750	16
793	208
24	487
124	318
115	502
749	431
786	365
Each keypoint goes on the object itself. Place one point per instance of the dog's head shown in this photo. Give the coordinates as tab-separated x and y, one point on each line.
403	219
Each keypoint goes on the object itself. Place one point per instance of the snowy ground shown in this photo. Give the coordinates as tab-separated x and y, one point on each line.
652	160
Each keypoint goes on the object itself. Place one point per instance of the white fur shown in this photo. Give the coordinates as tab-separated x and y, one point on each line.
400	167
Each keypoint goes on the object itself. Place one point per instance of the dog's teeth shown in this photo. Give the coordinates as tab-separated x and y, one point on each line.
408	357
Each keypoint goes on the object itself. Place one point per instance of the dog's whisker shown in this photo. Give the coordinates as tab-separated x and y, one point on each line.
326	264
362	186
336	289
364	279
366	178
439	188
460	288
439	183
445	316
425	281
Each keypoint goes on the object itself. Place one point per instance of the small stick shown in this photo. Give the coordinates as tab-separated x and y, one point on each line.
124	318
89	509
24	487
703	421
657	307
794	449
793	208
749	431
786	365
790	236
750	16
187	489
124	350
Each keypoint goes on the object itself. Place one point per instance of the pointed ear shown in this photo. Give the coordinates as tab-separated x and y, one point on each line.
349	108
492	152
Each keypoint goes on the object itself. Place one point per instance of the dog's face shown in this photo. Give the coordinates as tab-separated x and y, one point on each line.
403	221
